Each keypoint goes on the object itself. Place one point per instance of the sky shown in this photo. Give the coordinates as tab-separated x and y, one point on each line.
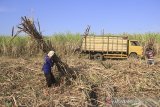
63	16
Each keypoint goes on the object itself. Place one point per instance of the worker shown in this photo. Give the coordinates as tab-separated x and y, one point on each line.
150	56
47	68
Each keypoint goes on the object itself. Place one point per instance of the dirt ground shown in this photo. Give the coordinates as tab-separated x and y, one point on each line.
112	83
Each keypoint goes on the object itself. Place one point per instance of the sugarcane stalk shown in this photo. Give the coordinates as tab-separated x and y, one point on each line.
29	28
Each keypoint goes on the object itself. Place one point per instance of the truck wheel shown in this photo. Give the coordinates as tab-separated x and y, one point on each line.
133	55
98	57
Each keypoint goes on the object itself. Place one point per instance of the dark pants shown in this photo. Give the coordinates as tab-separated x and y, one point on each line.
50	79
150	62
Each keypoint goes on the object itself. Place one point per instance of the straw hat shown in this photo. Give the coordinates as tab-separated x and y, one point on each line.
51	53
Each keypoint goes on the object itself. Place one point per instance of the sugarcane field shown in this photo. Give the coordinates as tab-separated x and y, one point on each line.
82	78
79	53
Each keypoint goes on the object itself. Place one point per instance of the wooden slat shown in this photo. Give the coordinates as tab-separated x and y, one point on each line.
104	43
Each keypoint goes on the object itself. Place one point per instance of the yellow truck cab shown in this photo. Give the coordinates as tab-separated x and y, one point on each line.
99	47
135	49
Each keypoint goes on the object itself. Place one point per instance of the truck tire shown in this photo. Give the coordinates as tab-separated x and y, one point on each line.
98	57
133	55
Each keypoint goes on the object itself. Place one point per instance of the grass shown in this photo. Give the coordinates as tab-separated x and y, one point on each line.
64	43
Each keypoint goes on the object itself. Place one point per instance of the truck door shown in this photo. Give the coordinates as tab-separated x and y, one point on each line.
135	48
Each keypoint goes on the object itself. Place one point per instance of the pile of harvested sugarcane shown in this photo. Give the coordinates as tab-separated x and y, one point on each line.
28	26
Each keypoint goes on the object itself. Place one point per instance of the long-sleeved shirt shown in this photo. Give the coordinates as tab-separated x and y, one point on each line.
149	54
48	64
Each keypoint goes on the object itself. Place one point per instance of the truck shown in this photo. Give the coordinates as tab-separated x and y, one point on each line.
100	47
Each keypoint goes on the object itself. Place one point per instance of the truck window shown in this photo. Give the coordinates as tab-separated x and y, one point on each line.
135	43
